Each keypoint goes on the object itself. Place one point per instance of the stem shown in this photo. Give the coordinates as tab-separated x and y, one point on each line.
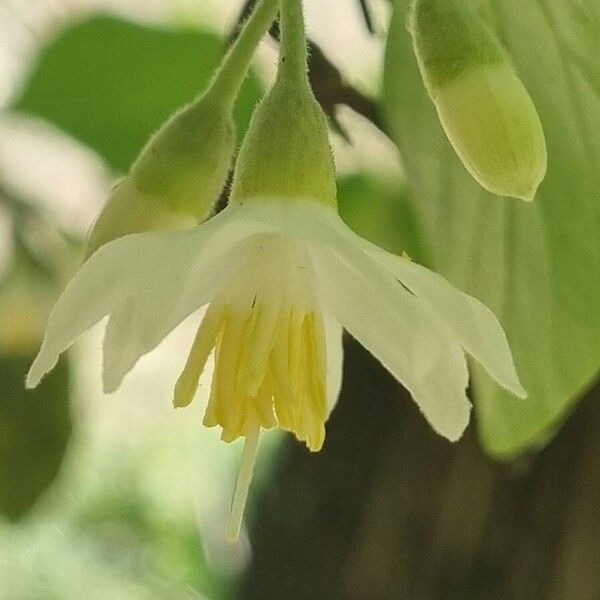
242	485
232	72
293	60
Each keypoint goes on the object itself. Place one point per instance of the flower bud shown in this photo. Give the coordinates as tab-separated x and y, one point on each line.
127	211
180	173
176	178
485	110
185	164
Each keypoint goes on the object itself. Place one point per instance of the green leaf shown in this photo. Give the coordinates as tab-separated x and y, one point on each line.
537	266
111	83
35	427
380	211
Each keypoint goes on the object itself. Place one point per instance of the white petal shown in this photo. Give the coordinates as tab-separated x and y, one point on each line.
475	326
390	322
151	282
304	219
335	359
120	347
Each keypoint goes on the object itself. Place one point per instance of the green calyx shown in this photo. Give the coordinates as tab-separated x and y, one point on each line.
449	38
185	164
183	168
286	152
130	211
175	180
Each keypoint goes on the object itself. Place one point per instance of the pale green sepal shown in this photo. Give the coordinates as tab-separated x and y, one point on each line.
286	152
449	38
128	210
147	283
392	324
474	325
186	163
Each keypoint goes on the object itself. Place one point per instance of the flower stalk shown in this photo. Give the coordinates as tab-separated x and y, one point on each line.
286	152
293	59
242	486
228	80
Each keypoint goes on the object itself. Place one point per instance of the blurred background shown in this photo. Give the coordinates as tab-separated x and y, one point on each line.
122	497
117	496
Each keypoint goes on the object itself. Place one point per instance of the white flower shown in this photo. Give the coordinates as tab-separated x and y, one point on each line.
280	278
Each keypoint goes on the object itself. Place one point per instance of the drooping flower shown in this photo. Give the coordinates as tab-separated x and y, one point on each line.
277	274
281	275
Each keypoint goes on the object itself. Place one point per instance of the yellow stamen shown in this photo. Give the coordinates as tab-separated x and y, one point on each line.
256	359
242	485
270	370
187	384
279	365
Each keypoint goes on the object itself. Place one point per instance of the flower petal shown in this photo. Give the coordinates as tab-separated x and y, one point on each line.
150	282
335	359
475	326
120	347
391	323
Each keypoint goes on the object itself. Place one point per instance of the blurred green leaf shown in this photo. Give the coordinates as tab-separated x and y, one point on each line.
111	83
380	211
537	266
35	427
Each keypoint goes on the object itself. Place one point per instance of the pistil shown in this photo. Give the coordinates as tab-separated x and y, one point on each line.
242	485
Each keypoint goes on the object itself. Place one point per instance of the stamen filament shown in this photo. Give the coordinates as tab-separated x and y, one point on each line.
187	384
242	485
294	54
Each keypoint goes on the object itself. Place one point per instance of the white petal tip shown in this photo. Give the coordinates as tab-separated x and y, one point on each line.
38	370
454	439
453	426
512	384
32	380
109	387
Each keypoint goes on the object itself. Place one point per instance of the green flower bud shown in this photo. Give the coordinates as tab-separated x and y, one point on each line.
175	179
180	173
186	163
286	152
485	110
129	210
